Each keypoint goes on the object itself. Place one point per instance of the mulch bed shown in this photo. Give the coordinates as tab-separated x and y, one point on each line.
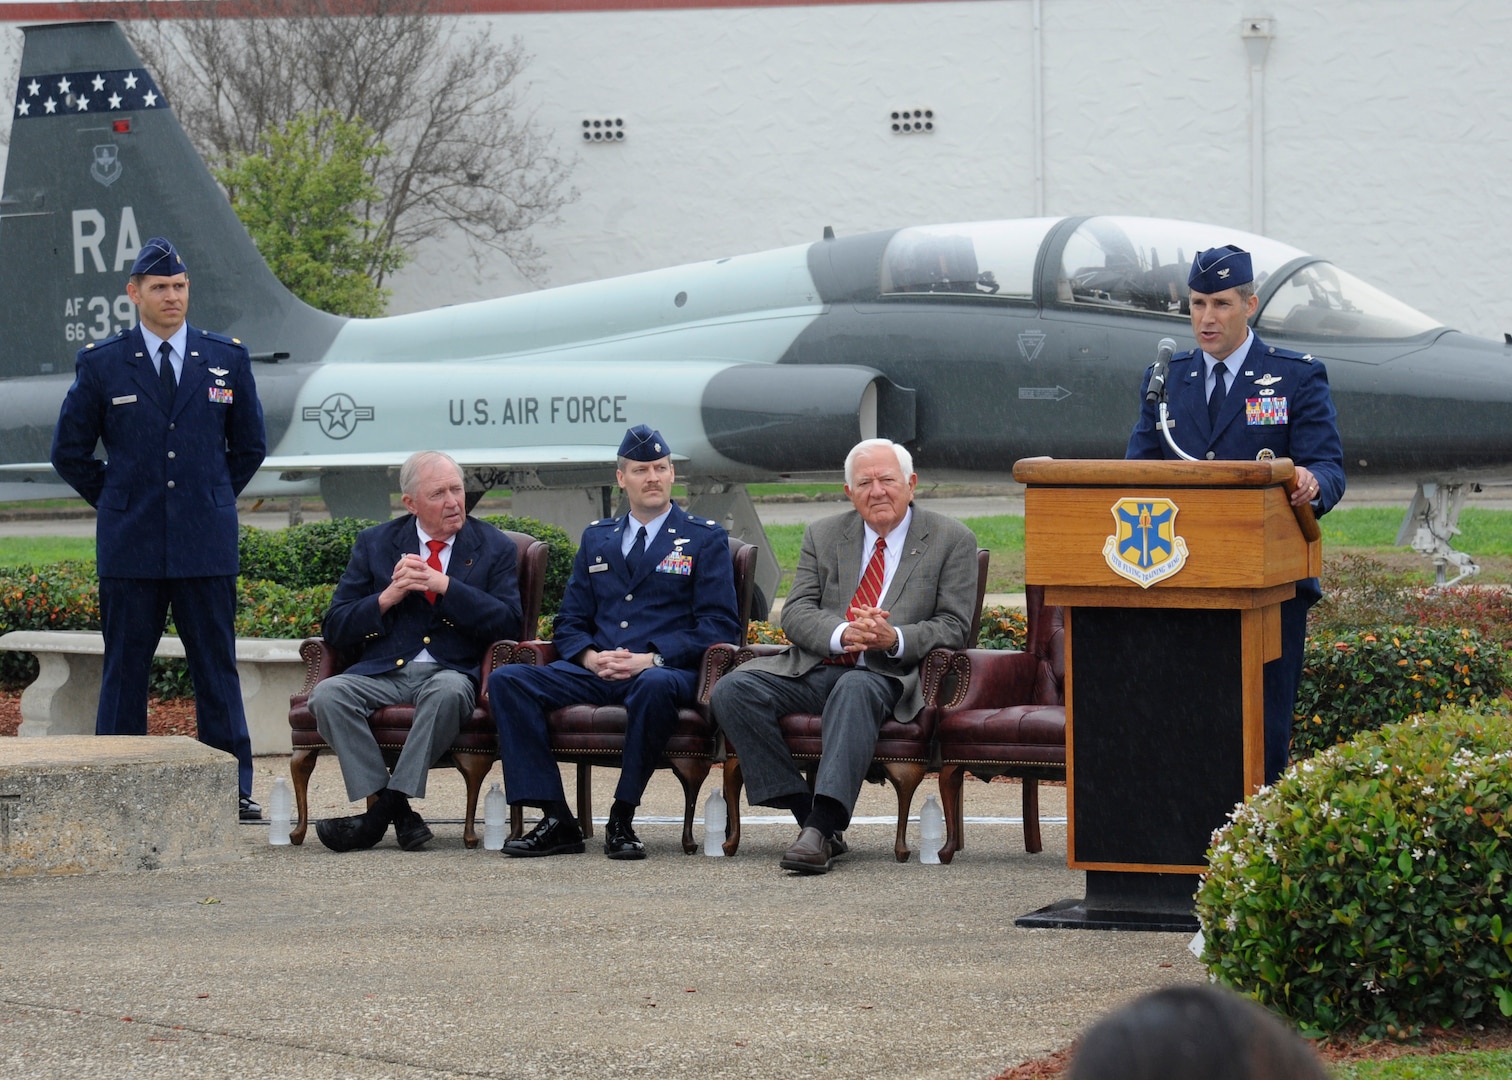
172	717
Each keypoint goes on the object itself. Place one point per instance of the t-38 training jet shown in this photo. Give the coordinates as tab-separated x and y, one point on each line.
974	344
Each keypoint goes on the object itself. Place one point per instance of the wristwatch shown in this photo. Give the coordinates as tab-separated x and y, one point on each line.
658	659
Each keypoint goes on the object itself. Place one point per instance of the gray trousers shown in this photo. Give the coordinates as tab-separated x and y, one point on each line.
341	705
854	704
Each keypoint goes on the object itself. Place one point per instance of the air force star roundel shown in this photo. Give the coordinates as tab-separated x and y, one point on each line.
1144	546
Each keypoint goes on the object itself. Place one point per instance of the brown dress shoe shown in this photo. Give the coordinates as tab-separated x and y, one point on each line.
810	853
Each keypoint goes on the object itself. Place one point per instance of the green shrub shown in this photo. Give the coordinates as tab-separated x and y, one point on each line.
314	553
1003	628
264	609
58	596
1360	592
558	566
1360	681
764	633
1486	611
1369	887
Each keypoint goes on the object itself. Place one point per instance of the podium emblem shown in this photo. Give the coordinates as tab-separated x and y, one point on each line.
1144	547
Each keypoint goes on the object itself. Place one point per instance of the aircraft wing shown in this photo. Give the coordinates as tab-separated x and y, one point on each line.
511	457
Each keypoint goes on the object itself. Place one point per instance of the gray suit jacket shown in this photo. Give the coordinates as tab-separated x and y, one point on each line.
931	600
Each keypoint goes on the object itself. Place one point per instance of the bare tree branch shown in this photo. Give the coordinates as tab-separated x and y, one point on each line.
464	152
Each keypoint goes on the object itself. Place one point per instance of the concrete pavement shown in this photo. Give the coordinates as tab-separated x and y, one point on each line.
447	962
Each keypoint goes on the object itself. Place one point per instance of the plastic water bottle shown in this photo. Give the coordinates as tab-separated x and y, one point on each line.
280	812
716	818
495	811
931	831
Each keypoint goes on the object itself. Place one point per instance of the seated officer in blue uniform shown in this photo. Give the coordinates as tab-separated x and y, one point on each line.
177	410
649	593
1236	398
422	596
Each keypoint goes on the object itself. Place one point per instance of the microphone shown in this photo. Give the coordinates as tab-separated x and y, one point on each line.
1162	368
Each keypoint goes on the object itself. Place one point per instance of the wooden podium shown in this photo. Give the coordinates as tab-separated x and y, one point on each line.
1172	574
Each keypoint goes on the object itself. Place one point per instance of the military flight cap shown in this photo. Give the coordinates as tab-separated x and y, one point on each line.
1222	268
643	443
159	258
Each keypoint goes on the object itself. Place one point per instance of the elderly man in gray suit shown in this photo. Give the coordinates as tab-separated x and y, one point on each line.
874	592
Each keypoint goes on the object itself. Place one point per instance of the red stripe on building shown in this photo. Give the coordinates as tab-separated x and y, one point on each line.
61	11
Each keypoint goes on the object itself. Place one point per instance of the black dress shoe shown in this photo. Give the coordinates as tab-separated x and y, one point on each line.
553	836
247	810
811	853
838	846
356	833
411	831
620	841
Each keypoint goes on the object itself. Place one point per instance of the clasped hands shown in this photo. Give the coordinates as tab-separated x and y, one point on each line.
614	664
412	574
868	629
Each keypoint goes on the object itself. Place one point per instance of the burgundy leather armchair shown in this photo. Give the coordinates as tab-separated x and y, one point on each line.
1005	715
477	744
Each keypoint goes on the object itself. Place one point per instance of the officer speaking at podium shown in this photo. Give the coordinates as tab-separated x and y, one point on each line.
1236	398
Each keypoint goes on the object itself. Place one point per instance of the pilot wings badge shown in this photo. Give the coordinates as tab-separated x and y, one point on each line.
1144	546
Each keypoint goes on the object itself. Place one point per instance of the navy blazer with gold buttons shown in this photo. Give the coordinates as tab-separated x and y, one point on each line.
481	603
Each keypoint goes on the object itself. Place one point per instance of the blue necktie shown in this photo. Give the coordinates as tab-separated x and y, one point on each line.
167	385
1215	400
637	549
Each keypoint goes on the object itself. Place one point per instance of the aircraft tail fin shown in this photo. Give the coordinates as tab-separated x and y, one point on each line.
98	163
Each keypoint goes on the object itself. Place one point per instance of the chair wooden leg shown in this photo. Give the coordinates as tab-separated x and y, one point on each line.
474	769
906	777
734	781
1031	815
692	772
301	765
950	801
585	798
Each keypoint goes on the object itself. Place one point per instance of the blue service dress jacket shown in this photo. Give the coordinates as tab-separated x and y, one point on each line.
481	603
1278	406
680	599
166	495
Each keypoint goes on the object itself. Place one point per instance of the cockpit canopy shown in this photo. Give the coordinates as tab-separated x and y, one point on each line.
1140	265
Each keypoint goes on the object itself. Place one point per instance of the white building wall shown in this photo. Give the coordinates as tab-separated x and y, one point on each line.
1387	131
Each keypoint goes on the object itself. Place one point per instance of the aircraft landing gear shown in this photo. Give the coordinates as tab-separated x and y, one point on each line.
1432	522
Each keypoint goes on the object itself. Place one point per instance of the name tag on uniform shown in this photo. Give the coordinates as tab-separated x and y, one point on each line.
221	394
1264	411
597	568
676	563
127	400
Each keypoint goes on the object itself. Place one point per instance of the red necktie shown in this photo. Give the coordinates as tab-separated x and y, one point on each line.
434	562
868	593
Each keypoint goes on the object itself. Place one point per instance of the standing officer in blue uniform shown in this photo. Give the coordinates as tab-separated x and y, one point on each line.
649	593
177	410
1237	398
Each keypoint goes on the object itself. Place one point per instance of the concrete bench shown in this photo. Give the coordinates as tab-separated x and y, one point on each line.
66	693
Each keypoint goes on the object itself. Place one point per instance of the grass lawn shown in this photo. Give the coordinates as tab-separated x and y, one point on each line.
35	550
1470	1065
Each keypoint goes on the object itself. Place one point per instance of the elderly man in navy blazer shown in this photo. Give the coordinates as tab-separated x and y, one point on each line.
422	596
1236	398
649	593
177	410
